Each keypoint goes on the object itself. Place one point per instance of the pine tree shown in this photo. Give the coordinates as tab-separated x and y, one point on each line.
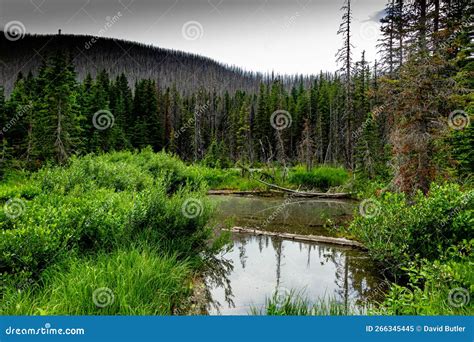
387	44
56	129
344	56
306	146
368	150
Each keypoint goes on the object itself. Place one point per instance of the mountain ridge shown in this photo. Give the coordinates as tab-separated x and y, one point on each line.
187	71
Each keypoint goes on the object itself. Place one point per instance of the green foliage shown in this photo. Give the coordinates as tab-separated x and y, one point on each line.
217	156
176	222
322	177
101	203
295	304
442	287
125	282
396	229
53	224
222	178
462	151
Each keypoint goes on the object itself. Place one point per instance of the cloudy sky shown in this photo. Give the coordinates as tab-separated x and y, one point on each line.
292	36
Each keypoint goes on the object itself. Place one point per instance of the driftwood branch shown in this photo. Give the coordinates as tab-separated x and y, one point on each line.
305	193
298	237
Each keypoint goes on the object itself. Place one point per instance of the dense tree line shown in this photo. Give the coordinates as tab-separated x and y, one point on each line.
380	119
52	116
422	85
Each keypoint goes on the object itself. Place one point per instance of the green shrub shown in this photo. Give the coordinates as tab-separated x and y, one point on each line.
91	172
94	206
53	224
322	177
101	202
177	221
442	287
136	282
396	229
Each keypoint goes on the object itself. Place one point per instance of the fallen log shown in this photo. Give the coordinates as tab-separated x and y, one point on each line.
296	193
299	237
239	192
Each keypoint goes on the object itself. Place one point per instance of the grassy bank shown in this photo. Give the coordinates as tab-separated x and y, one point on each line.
320	178
296	304
425	243
130	224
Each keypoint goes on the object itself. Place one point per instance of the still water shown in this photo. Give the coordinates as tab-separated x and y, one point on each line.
257	266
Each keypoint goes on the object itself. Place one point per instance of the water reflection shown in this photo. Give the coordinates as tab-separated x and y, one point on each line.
257	265
251	271
295	215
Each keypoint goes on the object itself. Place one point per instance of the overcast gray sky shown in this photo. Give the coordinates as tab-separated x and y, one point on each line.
292	36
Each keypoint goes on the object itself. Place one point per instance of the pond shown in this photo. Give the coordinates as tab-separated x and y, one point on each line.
258	266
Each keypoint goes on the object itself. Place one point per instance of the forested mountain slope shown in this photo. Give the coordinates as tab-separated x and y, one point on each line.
138	61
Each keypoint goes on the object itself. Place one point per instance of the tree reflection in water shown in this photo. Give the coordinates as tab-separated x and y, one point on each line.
259	265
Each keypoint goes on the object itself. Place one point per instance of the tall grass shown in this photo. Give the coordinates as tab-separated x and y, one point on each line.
296	304
322	177
99	208
125	282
